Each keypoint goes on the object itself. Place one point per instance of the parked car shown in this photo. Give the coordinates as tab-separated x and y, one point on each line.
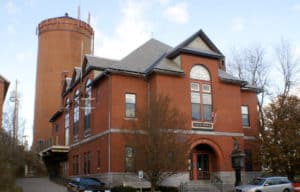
267	184
85	184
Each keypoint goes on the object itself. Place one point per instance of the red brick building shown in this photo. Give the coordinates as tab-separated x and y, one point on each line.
62	42
4	84
103	94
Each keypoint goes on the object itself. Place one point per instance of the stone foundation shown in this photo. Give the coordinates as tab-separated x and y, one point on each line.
131	179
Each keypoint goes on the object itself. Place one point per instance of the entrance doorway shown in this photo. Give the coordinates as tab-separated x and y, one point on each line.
203	162
203	166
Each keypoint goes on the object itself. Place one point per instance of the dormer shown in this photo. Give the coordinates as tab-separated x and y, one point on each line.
76	76
66	85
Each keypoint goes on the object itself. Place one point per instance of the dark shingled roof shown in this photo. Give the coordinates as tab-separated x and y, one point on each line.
94	62
167	65
226	77
155	56
143	58
252	88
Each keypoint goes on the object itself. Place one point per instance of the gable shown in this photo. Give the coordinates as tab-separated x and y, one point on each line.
198	44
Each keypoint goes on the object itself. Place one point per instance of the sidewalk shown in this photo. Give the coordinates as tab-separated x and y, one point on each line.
39	185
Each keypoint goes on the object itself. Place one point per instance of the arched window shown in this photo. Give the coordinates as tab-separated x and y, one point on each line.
199	72
87	108
76	114
201	98
67	121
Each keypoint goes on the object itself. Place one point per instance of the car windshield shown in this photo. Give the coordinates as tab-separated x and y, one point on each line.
90	181
257	181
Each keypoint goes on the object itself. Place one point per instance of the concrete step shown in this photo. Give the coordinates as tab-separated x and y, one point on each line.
201	185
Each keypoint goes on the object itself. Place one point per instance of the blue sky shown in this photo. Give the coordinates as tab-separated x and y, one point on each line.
122	25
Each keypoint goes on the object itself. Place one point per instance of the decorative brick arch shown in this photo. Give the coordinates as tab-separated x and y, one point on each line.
216	148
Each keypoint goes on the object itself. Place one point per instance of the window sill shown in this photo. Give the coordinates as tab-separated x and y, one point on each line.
131	118
246	127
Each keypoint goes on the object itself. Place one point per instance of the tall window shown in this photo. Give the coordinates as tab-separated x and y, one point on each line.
87	108
245	116
248	160
130	100
67	121
201	98
76	115
87	163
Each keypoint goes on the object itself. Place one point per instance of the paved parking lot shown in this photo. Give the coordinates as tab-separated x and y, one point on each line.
39	185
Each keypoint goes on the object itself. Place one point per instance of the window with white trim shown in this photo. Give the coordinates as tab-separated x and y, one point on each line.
130	105
87	108
76	114
201	97
245	116
67	121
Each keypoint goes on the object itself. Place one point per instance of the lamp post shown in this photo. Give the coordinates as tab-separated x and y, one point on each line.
237	159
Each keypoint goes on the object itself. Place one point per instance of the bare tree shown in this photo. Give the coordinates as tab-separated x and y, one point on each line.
288	64
249	64
160	150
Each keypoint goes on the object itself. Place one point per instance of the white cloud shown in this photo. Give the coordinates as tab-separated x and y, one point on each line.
237	24
10	7
132	31
177	13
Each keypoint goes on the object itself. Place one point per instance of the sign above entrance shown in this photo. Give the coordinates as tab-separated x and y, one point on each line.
202	125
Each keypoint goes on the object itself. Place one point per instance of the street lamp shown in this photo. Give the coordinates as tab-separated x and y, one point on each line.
237	159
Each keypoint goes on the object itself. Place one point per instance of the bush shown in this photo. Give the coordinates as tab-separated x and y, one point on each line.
167	189
123	189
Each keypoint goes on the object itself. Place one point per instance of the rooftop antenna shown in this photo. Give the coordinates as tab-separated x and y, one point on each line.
89	18
78	12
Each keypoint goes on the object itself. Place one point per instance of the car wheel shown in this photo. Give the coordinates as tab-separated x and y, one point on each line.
286	190
258	191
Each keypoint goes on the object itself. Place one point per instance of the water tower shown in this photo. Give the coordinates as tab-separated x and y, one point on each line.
62	43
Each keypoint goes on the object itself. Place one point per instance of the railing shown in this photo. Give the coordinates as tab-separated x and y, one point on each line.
45	144
203	175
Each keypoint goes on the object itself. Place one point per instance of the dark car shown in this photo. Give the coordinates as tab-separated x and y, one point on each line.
85	184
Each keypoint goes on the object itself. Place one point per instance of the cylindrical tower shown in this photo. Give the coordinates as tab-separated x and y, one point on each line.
62	43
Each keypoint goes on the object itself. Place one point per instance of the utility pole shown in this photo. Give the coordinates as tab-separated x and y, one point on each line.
15	99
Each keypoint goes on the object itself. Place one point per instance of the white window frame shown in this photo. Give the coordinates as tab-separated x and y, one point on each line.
130	98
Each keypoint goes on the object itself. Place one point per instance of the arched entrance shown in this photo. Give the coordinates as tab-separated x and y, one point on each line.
204	162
